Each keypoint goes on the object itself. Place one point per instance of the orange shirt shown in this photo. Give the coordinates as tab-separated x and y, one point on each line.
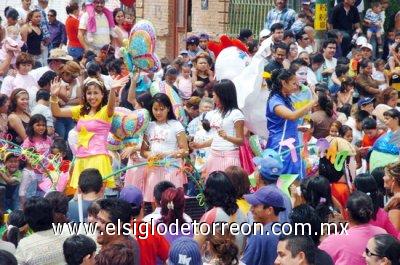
369	142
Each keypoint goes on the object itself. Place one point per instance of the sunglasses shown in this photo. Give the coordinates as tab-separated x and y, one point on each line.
369	253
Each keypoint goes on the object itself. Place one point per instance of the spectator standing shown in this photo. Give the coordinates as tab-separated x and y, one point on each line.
281	14
32	35
58	35
345	18
95	29
277	33
203	44
44	27
120	32
23	11
75	48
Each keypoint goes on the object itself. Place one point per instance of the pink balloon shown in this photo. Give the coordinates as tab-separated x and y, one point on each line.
290	144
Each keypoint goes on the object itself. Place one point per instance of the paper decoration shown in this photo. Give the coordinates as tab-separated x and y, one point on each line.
289	143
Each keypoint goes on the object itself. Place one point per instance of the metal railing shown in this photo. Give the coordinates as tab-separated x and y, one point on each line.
250	14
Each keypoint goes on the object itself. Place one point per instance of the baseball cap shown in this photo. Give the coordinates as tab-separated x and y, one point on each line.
269	167
132	195
193	40
365	101
361	40
267	195
264	33
185	251
204	36
367	45
306	2
183	52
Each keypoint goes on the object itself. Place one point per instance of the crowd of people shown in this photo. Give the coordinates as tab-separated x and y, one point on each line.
332	117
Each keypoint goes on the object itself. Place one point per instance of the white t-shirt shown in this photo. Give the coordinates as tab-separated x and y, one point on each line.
46	112
22	14
21	81
38	72
163	137
227	124
357	135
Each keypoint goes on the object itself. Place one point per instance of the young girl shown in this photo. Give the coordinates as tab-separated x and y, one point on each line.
37	135
379	74
334	129
164	138
202	75
227	123
135	176
184	83
346	132
93	124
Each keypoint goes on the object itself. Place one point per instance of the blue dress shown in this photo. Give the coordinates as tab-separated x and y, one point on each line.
275	126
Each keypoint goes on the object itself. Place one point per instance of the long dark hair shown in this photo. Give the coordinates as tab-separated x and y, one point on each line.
325	103
16	220
144	100
318	195
367	184
115	12
85	109
14	97
164	100
275	82
220	192
226	92
30	132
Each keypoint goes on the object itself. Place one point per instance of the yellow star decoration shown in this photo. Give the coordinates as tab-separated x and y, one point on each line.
84	137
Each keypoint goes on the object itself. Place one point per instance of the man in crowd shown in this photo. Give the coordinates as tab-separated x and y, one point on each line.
58	36
295	250
23	11
279	52
303	42
281	14
277	33
266	203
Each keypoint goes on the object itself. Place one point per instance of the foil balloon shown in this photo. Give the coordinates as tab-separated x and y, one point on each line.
177	105
384	151
126	124
138	50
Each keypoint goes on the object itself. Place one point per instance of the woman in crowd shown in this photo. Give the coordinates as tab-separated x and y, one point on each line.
70	95
382	249
172	210
392	183
32	34
202	75
220	197
282	118
18	115
75	48
323	116
339	247
241	182
367	184
367	86
220	248
386	100
227	128
122	34
4	103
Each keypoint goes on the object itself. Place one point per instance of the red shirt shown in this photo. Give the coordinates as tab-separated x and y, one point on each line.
153	247
71	27
369	142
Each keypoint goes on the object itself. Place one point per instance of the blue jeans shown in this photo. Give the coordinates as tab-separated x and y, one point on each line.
63	126
76	53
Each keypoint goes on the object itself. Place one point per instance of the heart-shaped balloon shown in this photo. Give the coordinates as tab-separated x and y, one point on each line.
138	51
176	101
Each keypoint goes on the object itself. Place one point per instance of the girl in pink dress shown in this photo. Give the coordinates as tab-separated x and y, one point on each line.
164	138
37	135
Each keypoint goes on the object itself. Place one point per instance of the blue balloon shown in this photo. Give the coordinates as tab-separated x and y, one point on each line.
384	145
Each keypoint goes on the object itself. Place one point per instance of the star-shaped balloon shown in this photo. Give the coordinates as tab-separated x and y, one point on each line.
84	137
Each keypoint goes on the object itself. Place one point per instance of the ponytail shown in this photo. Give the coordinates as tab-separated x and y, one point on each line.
326	104
277	76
